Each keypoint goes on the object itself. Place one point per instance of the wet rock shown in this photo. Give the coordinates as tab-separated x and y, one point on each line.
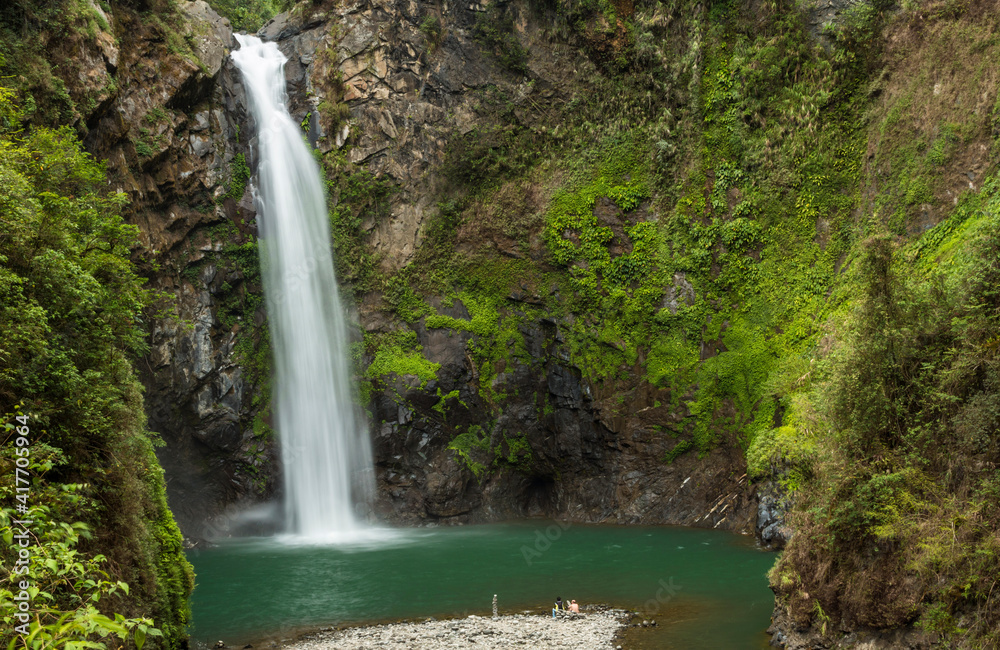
787	633
589	461
168	135
287	25
772	505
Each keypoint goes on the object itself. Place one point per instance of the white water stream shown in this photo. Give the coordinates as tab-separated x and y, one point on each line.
326	454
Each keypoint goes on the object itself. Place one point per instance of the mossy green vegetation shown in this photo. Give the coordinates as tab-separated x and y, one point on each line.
704	275
398	353
884	441
742	214
473	447
358	200
239	177
494	31
72	306
250	15
443	401
700	275
496	338
25	28
47	52
465	445
905	395
68	584
925	125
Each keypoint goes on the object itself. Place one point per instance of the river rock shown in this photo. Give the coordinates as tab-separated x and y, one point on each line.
592	630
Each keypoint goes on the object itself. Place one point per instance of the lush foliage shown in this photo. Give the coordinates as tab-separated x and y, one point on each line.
25	26
71	311
911	408
716	277
65	586
358	201
473	448
398	353
249	15
738	215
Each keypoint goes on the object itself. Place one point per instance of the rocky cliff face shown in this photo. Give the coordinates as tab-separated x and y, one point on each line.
167	118
438	126
393	92
405	81
388	87
587	460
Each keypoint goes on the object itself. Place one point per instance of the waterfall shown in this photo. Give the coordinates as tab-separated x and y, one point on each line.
326	454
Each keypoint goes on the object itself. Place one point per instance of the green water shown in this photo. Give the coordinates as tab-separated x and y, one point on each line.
705	589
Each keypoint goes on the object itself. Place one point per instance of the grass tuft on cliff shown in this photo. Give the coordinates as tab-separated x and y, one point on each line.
250	15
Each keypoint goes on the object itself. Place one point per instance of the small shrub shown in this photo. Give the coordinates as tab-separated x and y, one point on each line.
433	31
494	30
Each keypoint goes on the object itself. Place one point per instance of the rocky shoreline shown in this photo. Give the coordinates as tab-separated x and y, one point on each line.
791	635
597	628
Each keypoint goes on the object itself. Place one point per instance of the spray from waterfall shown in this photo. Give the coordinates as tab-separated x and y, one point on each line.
326	454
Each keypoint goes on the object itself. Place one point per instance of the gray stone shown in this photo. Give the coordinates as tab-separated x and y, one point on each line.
358	37
680	291
593	629
201	342
200	145
211	33
200	121
771	508
286	25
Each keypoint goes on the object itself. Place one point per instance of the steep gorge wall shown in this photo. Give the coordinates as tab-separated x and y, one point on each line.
180	180
507	379
599	256
120	80
156	98
403	94
151	93
382	94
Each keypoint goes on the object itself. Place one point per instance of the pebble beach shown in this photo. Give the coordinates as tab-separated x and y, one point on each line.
596	629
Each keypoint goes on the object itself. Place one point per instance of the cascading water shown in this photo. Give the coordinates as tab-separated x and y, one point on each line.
325	450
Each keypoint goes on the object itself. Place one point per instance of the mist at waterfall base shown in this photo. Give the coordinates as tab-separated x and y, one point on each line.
704	588
326	454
